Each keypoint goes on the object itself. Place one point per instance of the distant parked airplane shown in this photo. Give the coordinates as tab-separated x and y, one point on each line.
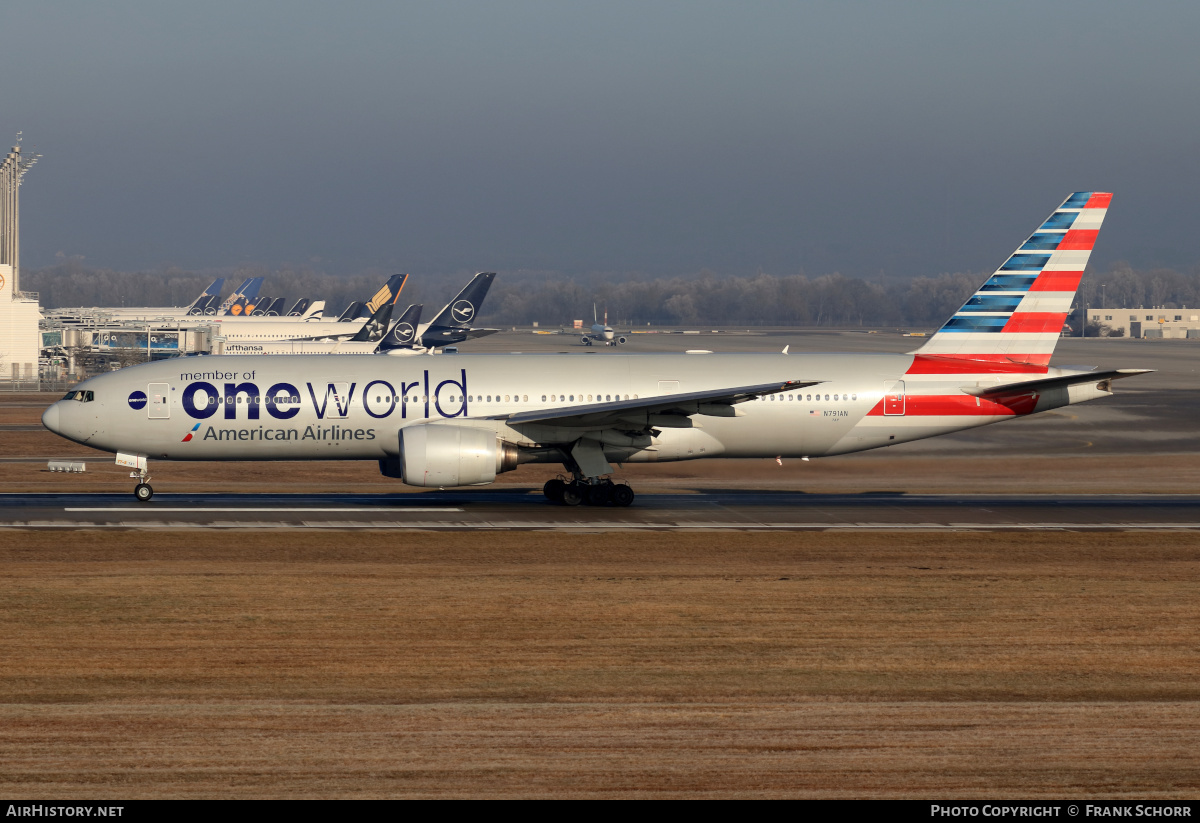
602	332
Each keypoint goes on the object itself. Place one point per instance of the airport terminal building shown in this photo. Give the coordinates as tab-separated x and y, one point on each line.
20	340
1150	323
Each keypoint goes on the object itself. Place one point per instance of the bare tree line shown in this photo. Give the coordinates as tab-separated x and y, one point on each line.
551	299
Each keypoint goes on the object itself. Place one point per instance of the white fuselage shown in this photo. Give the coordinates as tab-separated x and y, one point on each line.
271	347
274	329
311	407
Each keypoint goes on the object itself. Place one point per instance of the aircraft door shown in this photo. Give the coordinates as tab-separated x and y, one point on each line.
159	395
893	399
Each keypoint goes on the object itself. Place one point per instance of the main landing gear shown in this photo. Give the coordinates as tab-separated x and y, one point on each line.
593	492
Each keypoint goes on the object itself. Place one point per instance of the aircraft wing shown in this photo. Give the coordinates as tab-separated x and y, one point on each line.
1047	383
664	410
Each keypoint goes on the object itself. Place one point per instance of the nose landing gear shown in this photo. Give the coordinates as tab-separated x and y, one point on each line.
138	462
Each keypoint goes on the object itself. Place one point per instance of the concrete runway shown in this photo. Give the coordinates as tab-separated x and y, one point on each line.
527	510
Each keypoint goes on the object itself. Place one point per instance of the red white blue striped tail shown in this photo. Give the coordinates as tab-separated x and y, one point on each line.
1012	323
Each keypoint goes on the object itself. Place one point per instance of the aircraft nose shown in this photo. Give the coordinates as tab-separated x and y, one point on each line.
50	419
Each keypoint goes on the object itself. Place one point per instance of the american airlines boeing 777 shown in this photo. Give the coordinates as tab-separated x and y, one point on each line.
460	419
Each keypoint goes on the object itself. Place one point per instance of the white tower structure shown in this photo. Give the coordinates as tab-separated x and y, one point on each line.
19	311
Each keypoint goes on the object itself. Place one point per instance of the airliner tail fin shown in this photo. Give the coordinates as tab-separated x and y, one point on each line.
1013	322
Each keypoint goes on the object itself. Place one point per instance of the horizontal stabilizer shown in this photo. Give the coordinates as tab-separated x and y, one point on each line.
432	333
1047	383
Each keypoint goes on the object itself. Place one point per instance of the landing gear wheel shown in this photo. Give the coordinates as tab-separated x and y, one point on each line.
622	495
554	490
572	495
599	495
143	492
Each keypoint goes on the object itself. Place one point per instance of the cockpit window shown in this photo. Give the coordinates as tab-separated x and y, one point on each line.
69	395
80	396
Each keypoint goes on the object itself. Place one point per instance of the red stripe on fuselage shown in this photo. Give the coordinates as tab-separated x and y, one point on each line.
953	405
1079	240
1035	322
980	364
1057	281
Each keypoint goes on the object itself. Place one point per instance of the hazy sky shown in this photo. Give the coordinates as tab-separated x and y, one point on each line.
662	137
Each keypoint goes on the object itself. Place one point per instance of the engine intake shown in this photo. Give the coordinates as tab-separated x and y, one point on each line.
445	455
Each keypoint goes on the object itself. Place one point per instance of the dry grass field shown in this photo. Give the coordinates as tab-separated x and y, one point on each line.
195	663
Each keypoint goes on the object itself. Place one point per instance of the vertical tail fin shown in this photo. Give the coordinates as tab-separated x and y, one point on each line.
1015	318
383	301
248	289
233	296
351	312
257	306
389	293
206	296
251	290
404	331
463	309
203	305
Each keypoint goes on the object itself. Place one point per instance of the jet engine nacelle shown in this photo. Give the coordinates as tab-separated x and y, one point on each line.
621	341
585	340
447	455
